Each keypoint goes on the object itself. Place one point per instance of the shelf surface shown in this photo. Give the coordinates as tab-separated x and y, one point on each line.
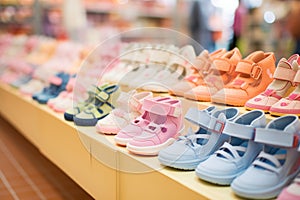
104	170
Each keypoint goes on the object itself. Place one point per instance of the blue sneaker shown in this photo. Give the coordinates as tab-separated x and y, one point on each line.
236	155
57	85
276	165
189	150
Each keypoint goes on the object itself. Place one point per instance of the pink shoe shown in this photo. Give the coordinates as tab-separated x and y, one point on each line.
290	104
136	127
163	129
280	86
129	107
292	192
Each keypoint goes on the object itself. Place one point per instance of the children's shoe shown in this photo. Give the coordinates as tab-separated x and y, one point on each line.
290	104
236	155
136	126
189	150
199	69
177	67
102	105
280	86
255	73
220	73
276	165
128	108
70	113
162	130
292	192
57	85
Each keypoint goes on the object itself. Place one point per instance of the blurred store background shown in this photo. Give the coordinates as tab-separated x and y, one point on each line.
269	25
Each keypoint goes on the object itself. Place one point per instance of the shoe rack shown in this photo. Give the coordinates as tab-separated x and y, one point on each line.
103	169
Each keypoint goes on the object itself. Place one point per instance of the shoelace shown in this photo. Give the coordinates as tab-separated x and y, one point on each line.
269	161
230	152
191	138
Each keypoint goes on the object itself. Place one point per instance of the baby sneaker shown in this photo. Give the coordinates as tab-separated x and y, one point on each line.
189	150
221	72
136	126
163	129
200	67
255	73
101	106
128	107
292	192
236	155
276	165
283	80
290	104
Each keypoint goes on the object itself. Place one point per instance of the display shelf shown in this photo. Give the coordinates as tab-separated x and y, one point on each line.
104	170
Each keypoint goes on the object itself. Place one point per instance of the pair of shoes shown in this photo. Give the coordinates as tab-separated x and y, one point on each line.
254	74
199	70
176	68
189	150
220	71
64	100
98	105
287	74
237	153
292	192
276	165
128	107
57	85
233	80
155	129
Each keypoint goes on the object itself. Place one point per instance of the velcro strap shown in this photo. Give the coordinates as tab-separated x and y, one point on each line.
286	74
161	108
216	125
239	130
297	77
222	64
102	96
275	137
252	69
198	117
55	80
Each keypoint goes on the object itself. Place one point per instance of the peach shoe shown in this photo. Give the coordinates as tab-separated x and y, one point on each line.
255	73
280	86
221	72
290	104
199	69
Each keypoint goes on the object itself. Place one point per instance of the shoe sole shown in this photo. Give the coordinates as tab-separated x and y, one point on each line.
149	151
184	165
263	194
216	179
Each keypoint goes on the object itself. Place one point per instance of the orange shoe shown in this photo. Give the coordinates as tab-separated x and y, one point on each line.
199	70
255	73
221	72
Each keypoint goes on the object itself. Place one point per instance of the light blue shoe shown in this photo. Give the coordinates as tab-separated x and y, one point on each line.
236	155
276	165
189	150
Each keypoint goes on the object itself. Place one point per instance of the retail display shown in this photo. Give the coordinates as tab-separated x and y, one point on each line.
283	81
193	148
276	165
229	146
